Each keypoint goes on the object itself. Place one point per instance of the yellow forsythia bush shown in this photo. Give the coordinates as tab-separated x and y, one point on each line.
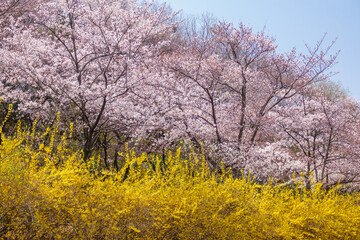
48	193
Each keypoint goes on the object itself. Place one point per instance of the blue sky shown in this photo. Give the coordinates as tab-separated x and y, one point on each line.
294	24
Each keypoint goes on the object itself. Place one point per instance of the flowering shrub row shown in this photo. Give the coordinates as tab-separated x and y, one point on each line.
48	192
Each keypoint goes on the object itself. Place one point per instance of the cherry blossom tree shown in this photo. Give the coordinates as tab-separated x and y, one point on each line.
233	81
321	131
93	61
10	11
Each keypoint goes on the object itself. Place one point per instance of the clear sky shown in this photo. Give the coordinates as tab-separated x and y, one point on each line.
295	23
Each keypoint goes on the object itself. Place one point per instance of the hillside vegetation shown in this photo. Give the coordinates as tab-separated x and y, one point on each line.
170	128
